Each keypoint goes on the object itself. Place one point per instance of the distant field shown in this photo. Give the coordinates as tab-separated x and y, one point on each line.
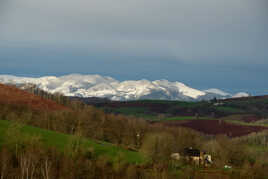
60	141
139	112
154	109
229	109
261	123
216	127
185	118
147	103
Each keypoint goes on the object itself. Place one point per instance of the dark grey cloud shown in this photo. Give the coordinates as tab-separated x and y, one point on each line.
232	77
187	29
184	40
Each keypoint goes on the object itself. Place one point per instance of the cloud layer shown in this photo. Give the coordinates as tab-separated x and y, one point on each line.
185	40
187	29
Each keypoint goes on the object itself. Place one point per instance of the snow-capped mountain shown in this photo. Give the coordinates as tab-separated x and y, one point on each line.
107	87
240	95
217	91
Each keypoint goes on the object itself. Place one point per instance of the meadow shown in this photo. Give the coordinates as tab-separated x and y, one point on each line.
63	141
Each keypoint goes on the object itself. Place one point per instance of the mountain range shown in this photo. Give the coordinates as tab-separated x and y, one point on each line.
107	87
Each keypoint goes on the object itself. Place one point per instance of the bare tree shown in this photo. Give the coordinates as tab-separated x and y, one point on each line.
45	168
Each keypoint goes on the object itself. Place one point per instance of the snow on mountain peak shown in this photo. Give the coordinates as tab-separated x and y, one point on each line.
240	95
217	91
107	87
180	87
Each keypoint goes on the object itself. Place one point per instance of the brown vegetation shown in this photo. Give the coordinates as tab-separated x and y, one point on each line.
14	96
216	127
250	118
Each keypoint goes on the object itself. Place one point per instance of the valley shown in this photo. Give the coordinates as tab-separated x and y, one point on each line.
129	139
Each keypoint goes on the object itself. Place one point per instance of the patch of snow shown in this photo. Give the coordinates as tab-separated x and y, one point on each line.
217	91
240	95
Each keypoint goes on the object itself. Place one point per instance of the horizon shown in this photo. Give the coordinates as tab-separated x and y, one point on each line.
189	85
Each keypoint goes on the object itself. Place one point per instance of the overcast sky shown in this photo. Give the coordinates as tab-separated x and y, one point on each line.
203	43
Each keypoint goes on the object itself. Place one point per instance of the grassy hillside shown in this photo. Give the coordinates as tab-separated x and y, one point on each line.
61	142
46	139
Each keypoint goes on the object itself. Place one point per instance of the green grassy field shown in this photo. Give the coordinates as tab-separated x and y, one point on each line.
229	109
178	103
132	111
61	141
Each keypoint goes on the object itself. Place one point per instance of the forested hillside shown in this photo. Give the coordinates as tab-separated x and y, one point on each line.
80	141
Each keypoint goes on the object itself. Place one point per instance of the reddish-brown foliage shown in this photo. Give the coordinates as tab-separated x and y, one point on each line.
14	96
250	118
215	127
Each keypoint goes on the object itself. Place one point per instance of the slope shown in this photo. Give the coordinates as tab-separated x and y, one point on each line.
61	142
14	96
